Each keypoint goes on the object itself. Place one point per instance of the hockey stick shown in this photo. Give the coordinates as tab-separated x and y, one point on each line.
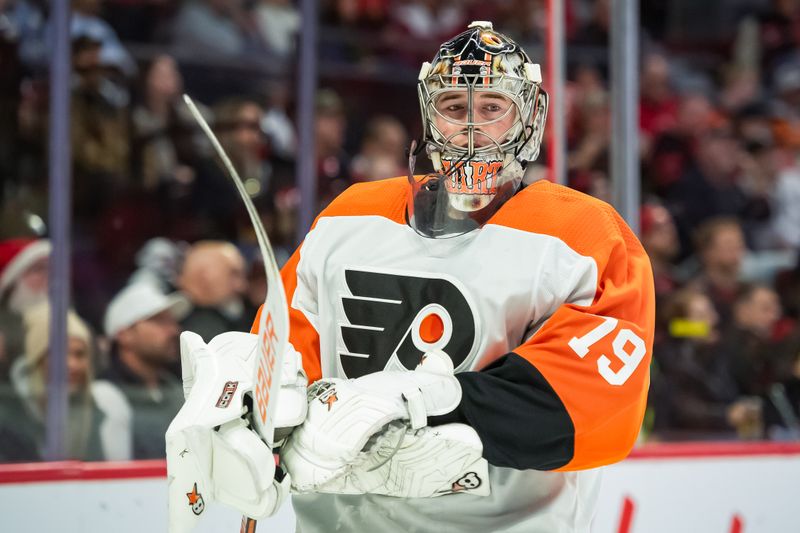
273	326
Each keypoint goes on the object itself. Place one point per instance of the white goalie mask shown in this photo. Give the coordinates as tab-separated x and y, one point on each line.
483	114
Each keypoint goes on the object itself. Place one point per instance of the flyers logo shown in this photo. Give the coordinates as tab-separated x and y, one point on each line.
395	319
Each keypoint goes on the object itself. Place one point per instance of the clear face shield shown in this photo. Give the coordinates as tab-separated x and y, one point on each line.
437	207
480	129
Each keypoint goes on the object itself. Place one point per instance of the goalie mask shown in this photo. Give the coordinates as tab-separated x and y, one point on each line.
483	113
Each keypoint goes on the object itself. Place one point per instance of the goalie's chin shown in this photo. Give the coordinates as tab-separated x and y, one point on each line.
469	203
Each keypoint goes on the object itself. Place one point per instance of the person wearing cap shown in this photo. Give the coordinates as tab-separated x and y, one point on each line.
142	324
23	284
98	421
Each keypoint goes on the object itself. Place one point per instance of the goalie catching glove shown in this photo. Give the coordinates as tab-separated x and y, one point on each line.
423	463
212	452
343	415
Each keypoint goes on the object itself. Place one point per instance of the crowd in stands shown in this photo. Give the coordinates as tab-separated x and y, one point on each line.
161	244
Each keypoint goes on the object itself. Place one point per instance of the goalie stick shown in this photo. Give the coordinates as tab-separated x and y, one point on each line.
273	326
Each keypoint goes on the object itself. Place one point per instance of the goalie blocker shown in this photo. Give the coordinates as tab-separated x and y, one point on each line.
213	453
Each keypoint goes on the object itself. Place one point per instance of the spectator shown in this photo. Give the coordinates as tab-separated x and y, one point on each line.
23	285
333	163
98	420
720	247
278	21
158	263
142	325
86	22
658	104
782	410
215	29
588	159
778	187
747	340
99	132
238	124
710	187
161	128
660	241
786	105
694	394
213	278
214	200
276	124
382	150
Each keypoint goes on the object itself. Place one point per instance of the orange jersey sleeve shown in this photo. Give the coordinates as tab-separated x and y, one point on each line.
577	387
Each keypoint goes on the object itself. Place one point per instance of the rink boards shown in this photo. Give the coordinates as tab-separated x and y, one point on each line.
725	488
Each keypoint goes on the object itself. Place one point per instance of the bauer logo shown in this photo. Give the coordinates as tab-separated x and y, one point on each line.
398	318
196	501
227	393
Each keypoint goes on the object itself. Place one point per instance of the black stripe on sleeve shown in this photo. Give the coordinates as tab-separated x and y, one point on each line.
520	419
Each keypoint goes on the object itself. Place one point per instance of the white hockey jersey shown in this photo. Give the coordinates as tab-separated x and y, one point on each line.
547	312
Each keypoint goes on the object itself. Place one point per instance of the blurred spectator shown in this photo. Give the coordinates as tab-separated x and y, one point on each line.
23	285
276	124
142	324
782	413
710	186
99	131
660	240
215	29
333	163
158	264
778	29
213	278
694	394
383	150
596	31
786	105
238	125
36	35
720	248
747	339
741	87
86	22
278	21
779	189
163	128
428	19
588	160
98	425
753	125
658	104
417	22
787	284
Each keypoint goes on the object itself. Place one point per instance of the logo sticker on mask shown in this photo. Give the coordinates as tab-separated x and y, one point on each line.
472	177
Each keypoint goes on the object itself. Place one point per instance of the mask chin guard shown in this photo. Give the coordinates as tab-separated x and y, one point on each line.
435	212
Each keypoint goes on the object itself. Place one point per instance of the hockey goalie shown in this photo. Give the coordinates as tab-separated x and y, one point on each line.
466	349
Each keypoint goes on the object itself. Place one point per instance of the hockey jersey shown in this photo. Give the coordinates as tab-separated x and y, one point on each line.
547	312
